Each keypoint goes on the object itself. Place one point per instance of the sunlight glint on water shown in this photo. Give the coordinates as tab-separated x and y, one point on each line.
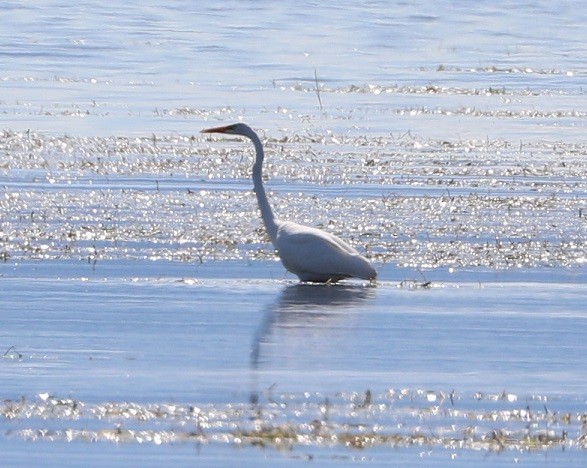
143	306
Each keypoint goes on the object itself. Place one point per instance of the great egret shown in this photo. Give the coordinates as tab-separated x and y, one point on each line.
311	254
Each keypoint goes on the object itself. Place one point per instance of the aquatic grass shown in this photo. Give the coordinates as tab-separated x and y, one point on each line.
428	89
398	418
317	89
12	353
417	203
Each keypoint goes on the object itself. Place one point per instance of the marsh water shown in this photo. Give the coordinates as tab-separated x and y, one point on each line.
145	316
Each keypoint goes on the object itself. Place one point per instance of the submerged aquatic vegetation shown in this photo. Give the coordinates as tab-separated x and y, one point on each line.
395	418
422	204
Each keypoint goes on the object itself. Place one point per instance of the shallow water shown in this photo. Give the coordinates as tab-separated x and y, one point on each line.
205	336
161	353
139	68
143	308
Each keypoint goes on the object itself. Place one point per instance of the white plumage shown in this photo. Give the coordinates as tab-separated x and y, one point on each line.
310	253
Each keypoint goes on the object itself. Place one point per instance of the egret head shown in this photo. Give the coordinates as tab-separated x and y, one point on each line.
234	129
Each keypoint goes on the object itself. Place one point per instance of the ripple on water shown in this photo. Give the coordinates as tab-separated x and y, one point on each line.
417	203
479	422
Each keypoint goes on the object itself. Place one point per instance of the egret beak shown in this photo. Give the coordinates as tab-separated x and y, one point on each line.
216	129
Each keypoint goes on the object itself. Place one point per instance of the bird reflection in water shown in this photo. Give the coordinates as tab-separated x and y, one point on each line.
304	309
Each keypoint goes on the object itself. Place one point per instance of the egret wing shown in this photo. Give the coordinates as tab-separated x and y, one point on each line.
312	253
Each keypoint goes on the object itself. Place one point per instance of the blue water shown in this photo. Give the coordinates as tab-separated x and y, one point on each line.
226	335
102	69
119	333
123	322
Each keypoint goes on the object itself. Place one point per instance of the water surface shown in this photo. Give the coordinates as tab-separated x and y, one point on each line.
143	308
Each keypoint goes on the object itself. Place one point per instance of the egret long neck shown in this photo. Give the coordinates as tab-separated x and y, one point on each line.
266	211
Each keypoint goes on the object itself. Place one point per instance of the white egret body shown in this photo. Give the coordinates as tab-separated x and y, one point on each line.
310	253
